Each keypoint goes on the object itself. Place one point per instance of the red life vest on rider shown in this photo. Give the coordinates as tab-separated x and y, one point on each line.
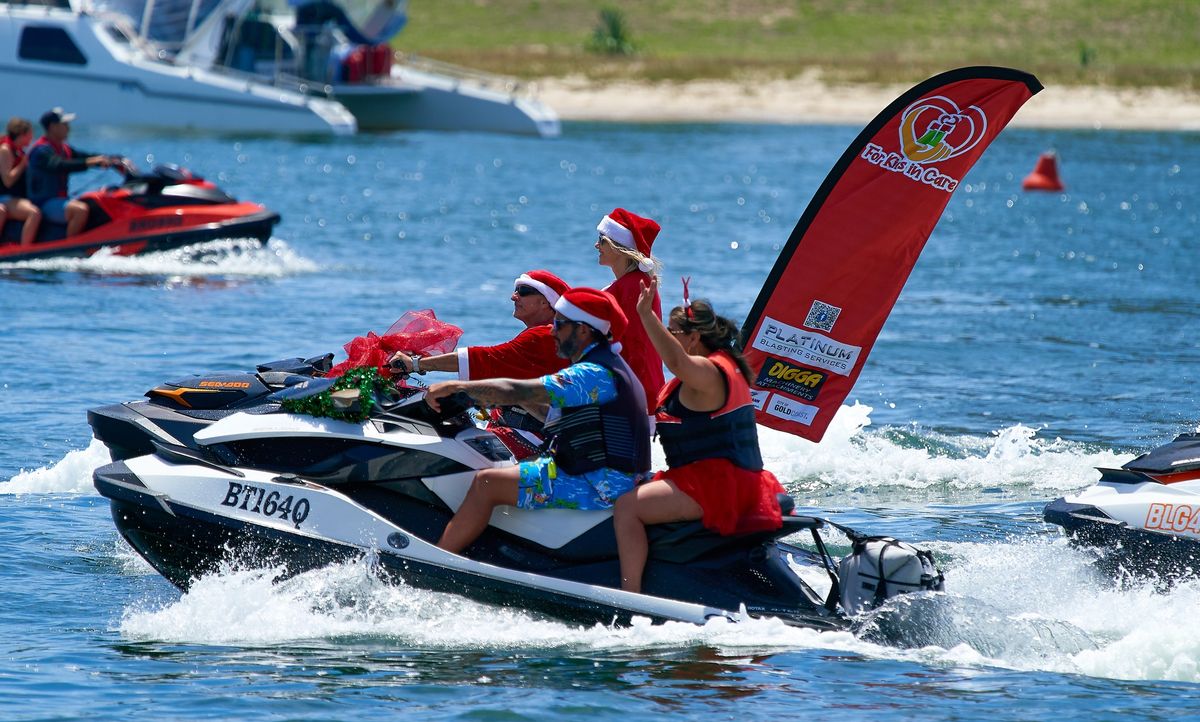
727	433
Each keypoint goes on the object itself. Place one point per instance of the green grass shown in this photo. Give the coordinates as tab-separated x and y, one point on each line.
1093	42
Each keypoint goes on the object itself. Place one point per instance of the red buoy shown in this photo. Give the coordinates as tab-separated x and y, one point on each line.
1045	175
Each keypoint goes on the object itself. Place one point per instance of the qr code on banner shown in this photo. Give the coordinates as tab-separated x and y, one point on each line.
822	316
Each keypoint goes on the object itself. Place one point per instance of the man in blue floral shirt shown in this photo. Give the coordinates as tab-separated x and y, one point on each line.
595	410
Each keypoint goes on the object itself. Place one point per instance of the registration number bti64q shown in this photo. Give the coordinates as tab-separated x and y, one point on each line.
258	500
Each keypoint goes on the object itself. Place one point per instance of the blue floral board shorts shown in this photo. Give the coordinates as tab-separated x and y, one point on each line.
586	492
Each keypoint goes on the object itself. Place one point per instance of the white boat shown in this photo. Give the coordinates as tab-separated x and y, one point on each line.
241	66
96	63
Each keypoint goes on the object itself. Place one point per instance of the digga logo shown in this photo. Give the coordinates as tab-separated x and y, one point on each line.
936	129
798	381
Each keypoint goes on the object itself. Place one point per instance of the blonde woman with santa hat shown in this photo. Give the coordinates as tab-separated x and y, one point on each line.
624	246
595	415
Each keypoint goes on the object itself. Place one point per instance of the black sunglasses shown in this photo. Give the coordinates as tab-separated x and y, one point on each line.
560	321
527	291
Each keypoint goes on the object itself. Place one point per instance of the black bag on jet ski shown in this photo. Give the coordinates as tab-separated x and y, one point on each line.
880	567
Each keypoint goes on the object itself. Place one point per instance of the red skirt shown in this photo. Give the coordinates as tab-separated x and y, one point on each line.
734	500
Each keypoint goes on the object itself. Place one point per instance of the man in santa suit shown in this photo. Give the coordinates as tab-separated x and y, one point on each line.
529	355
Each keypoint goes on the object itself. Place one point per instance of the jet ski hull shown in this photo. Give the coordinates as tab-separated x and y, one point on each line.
256	224
1140	529
184	539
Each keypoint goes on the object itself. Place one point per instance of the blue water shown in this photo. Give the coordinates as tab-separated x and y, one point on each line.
1039	336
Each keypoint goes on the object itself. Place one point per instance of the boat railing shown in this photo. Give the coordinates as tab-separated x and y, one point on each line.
479	78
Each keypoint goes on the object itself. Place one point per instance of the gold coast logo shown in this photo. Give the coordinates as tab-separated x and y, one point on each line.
936	129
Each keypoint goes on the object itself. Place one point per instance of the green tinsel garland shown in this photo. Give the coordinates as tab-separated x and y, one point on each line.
364	378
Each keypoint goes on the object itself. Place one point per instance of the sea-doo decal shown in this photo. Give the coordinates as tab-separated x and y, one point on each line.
258	500
154	223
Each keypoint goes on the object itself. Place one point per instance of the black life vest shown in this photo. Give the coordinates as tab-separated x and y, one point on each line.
44	184
18	188
613	435
727	433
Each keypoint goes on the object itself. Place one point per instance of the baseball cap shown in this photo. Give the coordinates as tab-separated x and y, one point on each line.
56	115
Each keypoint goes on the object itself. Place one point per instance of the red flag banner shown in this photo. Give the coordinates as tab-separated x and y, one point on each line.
835	282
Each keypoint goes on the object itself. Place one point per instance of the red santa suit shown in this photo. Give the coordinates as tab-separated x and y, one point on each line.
530	355
636	348
636	233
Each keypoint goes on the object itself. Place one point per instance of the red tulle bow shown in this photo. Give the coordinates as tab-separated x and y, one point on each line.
418	332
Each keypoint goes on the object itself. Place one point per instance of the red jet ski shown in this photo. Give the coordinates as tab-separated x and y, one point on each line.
166	208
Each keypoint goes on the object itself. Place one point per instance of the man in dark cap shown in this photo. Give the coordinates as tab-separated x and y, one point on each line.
51	163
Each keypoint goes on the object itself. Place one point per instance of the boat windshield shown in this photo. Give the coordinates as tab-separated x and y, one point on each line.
170	23
377	20
166	22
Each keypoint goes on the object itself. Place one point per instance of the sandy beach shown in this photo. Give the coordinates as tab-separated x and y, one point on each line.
807	99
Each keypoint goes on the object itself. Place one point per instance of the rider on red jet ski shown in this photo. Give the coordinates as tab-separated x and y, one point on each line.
51	163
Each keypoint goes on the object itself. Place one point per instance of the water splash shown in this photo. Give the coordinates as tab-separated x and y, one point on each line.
1004	612
349	601
70	475
851	458
229	257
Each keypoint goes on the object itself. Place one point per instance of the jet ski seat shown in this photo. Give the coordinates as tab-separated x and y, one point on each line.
682	542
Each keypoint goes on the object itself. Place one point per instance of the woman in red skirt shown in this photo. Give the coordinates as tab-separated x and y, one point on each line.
705	421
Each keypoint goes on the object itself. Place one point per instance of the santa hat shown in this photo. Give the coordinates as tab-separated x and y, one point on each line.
546	283
596	308
631	231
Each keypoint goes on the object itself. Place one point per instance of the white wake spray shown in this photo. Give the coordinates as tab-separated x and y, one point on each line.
70	475
1031	605
225	257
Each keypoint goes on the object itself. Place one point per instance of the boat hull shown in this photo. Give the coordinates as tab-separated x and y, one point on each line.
428	102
